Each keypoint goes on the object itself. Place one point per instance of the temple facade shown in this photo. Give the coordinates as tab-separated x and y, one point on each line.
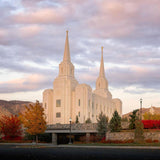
70	100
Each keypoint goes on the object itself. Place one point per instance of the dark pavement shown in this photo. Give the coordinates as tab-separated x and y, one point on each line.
12	152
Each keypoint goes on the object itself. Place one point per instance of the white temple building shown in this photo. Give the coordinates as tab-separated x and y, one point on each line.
69	99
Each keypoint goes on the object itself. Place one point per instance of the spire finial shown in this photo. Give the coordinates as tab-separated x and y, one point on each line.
66	56
67	32
102	49
102	73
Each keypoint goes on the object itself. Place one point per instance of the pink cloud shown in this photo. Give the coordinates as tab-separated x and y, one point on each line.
30	30
31	82
3	33
120	18
43	15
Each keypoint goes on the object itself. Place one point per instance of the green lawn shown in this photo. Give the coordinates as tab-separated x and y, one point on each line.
118	144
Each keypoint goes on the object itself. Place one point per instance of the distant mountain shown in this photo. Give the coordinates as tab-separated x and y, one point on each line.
152	110
12	107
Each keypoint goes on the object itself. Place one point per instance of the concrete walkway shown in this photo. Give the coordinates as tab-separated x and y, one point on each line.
80	146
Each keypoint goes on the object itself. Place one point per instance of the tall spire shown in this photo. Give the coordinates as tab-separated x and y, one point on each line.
102	73
66	56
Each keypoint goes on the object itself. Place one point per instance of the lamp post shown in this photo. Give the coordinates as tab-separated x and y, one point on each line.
141	109
70	142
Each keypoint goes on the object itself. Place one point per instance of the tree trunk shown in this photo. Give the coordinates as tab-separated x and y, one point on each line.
36	138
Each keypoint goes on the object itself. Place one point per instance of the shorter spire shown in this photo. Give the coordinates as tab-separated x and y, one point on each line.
66	56
102	73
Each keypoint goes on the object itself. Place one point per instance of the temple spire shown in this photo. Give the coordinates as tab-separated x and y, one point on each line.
102	73
66	56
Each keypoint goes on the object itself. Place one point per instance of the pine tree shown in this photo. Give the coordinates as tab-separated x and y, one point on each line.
115	122
88	120
102	122
77	121
33	120
133	118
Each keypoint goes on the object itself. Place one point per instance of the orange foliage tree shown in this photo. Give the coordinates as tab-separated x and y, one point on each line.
150	116
33	119
11	127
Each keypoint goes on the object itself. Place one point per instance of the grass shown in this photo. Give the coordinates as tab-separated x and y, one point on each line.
118	144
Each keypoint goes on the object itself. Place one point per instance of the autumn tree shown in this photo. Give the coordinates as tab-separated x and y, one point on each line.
102	122
150	116
115	122
11	127
33	119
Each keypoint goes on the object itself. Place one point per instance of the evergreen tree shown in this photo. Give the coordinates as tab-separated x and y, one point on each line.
133	118
77	121
115	122
33	120
88	120
102	122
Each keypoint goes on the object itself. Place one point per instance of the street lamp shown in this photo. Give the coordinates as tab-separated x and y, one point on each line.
141	109
70	142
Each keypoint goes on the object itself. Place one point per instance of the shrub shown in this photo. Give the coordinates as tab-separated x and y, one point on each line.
119	141
151	124
156	141
148	141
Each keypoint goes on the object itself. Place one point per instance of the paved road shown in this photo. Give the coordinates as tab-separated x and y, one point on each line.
12	152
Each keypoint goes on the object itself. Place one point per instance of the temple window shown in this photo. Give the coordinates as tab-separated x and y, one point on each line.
79	102
58	103
58	114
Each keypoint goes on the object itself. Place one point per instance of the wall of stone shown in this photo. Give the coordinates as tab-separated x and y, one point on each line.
75	126
125	125
124	136
81	126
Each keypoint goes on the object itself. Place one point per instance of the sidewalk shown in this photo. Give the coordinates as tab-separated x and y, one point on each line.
79	146
112	147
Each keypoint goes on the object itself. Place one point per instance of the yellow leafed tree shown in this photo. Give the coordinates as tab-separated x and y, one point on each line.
149	116
33	119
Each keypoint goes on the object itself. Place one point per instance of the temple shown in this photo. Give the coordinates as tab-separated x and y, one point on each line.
69	99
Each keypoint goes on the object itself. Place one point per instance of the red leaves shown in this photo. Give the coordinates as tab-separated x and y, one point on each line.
119	141
11	127
151	124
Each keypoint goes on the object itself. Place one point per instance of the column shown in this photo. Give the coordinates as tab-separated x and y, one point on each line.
54	138
87	137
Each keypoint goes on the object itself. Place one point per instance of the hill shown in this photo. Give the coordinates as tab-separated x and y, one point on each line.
12	107
152	110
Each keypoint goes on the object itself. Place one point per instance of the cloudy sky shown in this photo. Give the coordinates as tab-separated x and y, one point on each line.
32	37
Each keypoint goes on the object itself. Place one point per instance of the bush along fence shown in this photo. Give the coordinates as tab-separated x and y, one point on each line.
151	124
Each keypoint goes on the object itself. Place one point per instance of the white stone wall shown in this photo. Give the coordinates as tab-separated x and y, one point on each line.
48	105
